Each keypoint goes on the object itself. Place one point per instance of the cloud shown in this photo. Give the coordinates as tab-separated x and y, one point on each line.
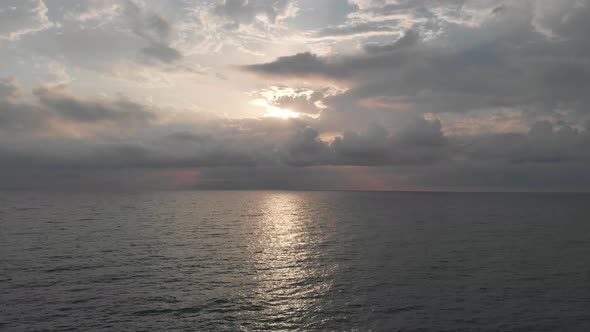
542	144
463	12
161	52
302	100
364	28
406	92
56	112
306	104
9	88
94	10
19	18
421	142
305	148
302	65
104	35
156	142
409	39
38	136
77	109
246	11
480	71
154	29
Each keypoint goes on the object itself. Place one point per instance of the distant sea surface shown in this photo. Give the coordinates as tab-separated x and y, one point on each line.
306	261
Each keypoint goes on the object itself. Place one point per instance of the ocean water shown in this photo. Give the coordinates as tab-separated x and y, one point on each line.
305	261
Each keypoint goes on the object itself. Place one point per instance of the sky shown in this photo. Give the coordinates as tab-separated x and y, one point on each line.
295	94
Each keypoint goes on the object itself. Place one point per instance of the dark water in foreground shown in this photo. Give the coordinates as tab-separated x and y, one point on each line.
216	261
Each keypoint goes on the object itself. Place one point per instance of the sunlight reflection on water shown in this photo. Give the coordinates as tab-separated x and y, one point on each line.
289	274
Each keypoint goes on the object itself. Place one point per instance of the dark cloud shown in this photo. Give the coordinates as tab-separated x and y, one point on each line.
542	144
305	148
409	39
370	148
161	52
70	107
420	143
15	117
300	65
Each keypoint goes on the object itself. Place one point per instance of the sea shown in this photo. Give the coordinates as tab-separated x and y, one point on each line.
294	261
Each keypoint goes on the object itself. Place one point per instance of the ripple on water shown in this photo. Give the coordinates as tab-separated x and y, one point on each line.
230	261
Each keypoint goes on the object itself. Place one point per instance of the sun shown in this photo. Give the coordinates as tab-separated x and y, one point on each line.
277	112
272	111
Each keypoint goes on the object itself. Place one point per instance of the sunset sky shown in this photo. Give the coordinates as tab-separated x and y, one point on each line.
295	94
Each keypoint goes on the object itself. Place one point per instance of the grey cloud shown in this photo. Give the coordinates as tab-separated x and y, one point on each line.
22	17
303	103
370	148
110	37
421	142
73	108
162	52
489	71
568	22
9	89
313	14
357	29
305	148
499	10
544	143
420	132
95	48
89	10
245	11
15	117
415	149
154	29
422	8
59	112
409	39
299	65
206	143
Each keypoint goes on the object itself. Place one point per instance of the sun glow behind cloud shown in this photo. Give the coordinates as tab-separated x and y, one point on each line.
274	111
277	112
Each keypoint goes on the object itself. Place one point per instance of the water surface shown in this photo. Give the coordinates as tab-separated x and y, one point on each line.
341	261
